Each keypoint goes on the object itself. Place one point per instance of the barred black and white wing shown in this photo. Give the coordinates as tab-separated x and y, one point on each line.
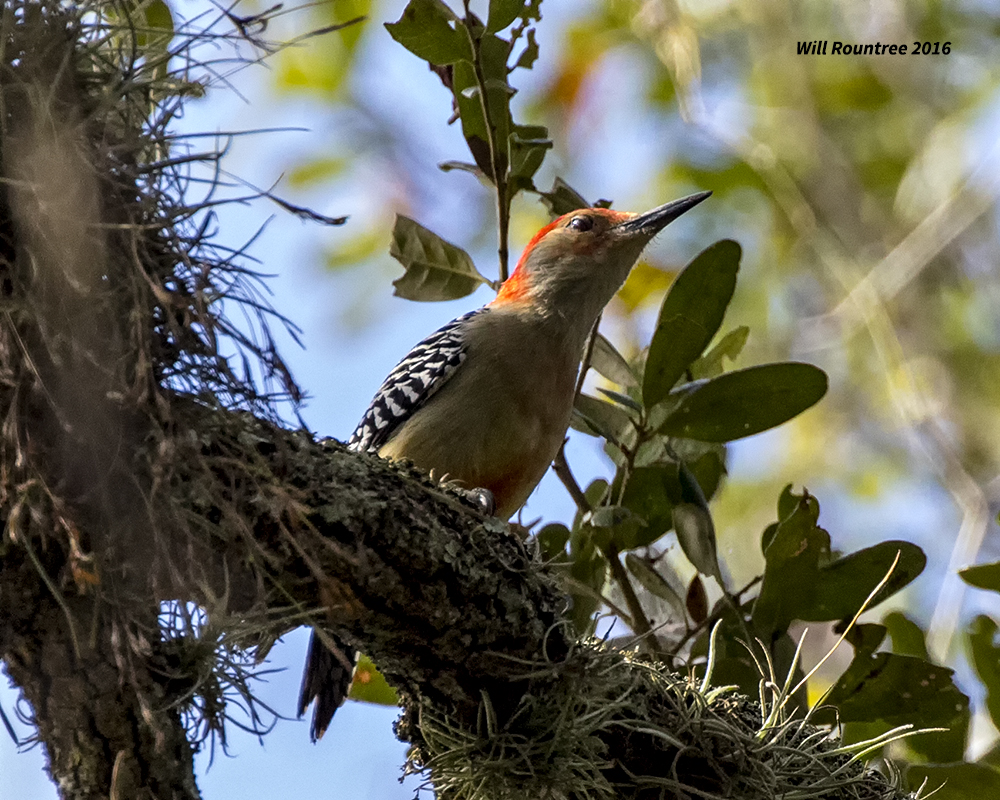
424	370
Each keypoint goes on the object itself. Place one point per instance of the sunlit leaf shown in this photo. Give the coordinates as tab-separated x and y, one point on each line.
431	31
621	399
435	269
907	636
316	171
465	85
690	315
745	402
729	346
369	686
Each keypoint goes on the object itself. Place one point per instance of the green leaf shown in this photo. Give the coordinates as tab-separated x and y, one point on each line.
796	549
840	588
588	568
984	648
601	418
708	470
644	571
369	686
462	166
747	401
155	37
729	346
696	535
529	55
493	62
694	527
611	364
616	524
964	781
528	145
651	493
983	576
696	600
621	399
435	269
903	689
552	540
690	315
431	31
562	198
801	582
503	13
907	636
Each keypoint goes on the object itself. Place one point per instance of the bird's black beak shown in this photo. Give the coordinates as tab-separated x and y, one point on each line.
653	221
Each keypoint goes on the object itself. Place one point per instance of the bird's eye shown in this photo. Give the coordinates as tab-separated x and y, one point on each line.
581	223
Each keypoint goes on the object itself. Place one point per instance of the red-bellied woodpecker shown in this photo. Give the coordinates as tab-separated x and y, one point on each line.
486	400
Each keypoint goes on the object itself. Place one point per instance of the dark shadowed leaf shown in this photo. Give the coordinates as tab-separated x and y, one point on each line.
690	315
796	549
651	493
552	540
968	781
588	568
903	689
435	269
426	30
503	13
984	647
462	166
562	198
696	600
983	576
840	588
611	364
528	144
745	402
601	418
529	55
801	582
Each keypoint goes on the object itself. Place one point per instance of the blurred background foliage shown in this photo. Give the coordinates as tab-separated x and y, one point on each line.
862	189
